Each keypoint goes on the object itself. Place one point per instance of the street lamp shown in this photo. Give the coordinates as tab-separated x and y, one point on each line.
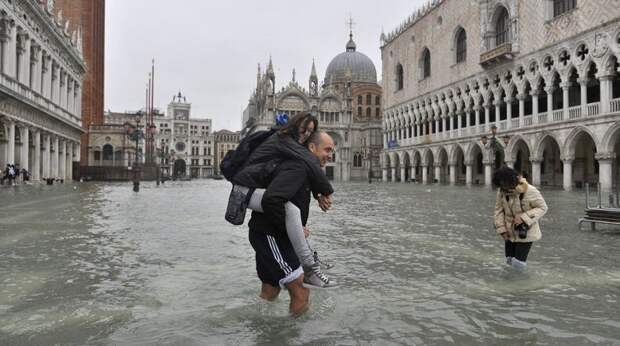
134	133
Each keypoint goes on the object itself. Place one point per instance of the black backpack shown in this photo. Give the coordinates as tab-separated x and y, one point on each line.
235	159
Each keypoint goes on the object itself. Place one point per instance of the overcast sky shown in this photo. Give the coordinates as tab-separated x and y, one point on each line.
209	50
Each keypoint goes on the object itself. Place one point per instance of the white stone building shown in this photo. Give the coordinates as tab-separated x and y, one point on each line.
187	144
543	72
347	105
41	71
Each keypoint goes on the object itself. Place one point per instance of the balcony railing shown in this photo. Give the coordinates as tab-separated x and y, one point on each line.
503	125
615	105
542	118
515	123
527	121
593	108
558	115
574	112
501	52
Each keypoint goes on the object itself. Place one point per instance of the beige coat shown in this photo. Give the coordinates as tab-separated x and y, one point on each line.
534	207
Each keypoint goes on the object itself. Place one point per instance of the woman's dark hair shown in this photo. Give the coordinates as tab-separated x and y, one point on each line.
505	177
301	120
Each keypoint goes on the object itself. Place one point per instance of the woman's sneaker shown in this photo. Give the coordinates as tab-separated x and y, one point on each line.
324	265
314	278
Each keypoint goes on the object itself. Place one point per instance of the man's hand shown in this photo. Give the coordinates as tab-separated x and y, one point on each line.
325	202
306	232
518	220
505	235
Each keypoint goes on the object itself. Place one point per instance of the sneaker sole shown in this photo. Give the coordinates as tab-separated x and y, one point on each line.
310	286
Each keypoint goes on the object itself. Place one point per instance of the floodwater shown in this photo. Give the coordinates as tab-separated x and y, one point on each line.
96	264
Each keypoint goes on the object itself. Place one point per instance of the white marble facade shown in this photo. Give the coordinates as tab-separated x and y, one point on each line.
544	73
41	71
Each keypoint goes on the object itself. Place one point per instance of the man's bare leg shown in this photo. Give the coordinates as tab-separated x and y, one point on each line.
299	296
268	292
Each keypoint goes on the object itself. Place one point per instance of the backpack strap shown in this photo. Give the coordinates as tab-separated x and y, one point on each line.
521	201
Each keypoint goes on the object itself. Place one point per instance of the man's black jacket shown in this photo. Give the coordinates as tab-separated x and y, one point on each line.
290	183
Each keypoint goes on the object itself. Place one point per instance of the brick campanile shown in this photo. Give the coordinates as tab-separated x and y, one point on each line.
90	15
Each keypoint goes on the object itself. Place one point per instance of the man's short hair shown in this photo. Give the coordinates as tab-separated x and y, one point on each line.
315	137
505	177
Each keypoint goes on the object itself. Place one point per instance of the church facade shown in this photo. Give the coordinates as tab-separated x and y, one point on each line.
347	105
472	85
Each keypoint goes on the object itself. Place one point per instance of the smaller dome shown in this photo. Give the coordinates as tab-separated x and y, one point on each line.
351	64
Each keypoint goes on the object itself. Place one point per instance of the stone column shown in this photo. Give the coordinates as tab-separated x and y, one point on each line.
606	93
403	175
47	157
10	157
55	158
5	41
62	165
467	118
70	96
436	127
35	78
469	178
477	114
535	171
23	161
412	173
26	61
565	104
568	174
12	52
62	94
509	112
452	166
36	163
384	175
521	98
498	111
488	172
605	164
70	161
424	174
443	125
534	94
393	175
487	117
549	90
459	121
583	83
437	173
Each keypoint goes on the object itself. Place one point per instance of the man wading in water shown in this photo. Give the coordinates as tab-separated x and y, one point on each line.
277	264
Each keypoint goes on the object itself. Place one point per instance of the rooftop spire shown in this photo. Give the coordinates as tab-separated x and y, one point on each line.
351	46
313	73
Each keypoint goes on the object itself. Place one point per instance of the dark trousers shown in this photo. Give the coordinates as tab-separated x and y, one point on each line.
518	250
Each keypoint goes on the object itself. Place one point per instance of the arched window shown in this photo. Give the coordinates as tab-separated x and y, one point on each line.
378	112
359	111
368	112
108	152
399	77
378	100
368	99
502	27
426	63
461	46
359	100
563	6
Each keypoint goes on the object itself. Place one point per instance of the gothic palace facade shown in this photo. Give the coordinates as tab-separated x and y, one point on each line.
534	84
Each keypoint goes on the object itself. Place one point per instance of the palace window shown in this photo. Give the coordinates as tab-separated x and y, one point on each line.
461	46
368	112
502	27
108	152
563	6
359	100
368	100
426	63
399	77
378	100
359	111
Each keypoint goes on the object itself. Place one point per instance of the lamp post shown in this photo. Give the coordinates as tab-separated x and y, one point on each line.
367	150
134	133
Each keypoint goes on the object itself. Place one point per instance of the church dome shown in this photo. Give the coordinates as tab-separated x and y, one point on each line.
361	68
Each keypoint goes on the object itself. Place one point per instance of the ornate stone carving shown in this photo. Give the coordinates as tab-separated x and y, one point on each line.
600	45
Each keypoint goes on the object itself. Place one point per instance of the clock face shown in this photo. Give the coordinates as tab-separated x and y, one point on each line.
181	115
180	146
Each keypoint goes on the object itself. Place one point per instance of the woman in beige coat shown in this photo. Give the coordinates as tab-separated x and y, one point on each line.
518	208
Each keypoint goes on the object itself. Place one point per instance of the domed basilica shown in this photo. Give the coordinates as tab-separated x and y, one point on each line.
347	104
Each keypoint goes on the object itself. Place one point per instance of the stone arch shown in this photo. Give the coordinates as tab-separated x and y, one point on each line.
407	164
574	137
457	157
442	163
521	157
427	157
459	44
610	138
512	147
547	150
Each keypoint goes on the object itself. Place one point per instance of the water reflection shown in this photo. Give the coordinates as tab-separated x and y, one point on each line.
96	263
